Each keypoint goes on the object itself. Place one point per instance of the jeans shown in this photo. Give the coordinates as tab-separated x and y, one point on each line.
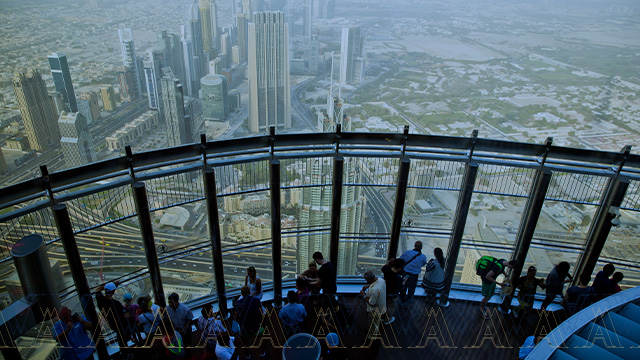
409	287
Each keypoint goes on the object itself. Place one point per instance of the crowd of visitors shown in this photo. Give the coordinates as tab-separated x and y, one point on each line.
166	331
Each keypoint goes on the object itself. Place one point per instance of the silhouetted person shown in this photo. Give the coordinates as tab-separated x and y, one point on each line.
578	297
615	280
555	282
601	284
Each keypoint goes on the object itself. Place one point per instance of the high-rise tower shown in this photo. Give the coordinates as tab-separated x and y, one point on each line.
350	49
215	97
76	141
62	80
173	107
37	110
241	23
129	59
269	91
209	26
108	97
152	73
126	80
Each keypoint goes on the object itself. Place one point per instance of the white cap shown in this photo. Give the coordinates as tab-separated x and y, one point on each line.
110	286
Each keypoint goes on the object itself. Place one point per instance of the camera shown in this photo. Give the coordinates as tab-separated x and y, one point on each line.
76	317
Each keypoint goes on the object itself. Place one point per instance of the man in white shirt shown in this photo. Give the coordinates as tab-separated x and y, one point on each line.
375	295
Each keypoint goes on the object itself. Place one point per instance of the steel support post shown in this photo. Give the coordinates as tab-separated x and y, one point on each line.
65	230
211	199
336	205
276	235
528	224
601	226
464	201
144	218
398	209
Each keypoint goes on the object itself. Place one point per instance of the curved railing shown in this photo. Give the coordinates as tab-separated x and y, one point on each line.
100	202
606	329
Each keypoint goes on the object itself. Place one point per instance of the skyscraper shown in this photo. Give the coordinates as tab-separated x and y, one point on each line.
62	80
94	105
76	141
152	73
307	19
129	59
215	97
126	80
209	25
195	55
350	49
241	23
36	108
269	91
225	50
173	105
85	109
316	202
108	97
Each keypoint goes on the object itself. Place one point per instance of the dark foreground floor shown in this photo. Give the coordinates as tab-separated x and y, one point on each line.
421	330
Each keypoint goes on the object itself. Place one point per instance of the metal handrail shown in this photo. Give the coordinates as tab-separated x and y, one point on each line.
556	338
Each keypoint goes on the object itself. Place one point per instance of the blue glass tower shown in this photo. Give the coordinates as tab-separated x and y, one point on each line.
62	80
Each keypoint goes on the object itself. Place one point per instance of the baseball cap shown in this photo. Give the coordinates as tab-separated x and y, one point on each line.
333	339
127	297
110	286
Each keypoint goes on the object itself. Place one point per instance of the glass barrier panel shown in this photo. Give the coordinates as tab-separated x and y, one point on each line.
563	223
622	248
545	258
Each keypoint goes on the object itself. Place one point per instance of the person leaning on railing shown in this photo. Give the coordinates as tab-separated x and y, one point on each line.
555	282
527	286
114	312
578	297
433	280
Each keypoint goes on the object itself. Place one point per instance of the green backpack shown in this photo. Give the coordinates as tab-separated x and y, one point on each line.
484	263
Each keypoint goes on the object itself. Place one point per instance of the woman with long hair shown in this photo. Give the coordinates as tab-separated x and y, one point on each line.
555	282
433	280
252	280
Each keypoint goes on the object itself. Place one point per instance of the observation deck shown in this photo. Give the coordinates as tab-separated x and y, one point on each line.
270	201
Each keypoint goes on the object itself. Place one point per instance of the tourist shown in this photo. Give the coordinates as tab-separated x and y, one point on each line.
601	284
252	280
375	296
146	318
71	333
310	275
579	296
527	286
114	312
181	317
392	271
292	314
414	260
248	311
327	278
433	280
615	280
302	291
226	348
209	326
489	268
555	282
528	346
